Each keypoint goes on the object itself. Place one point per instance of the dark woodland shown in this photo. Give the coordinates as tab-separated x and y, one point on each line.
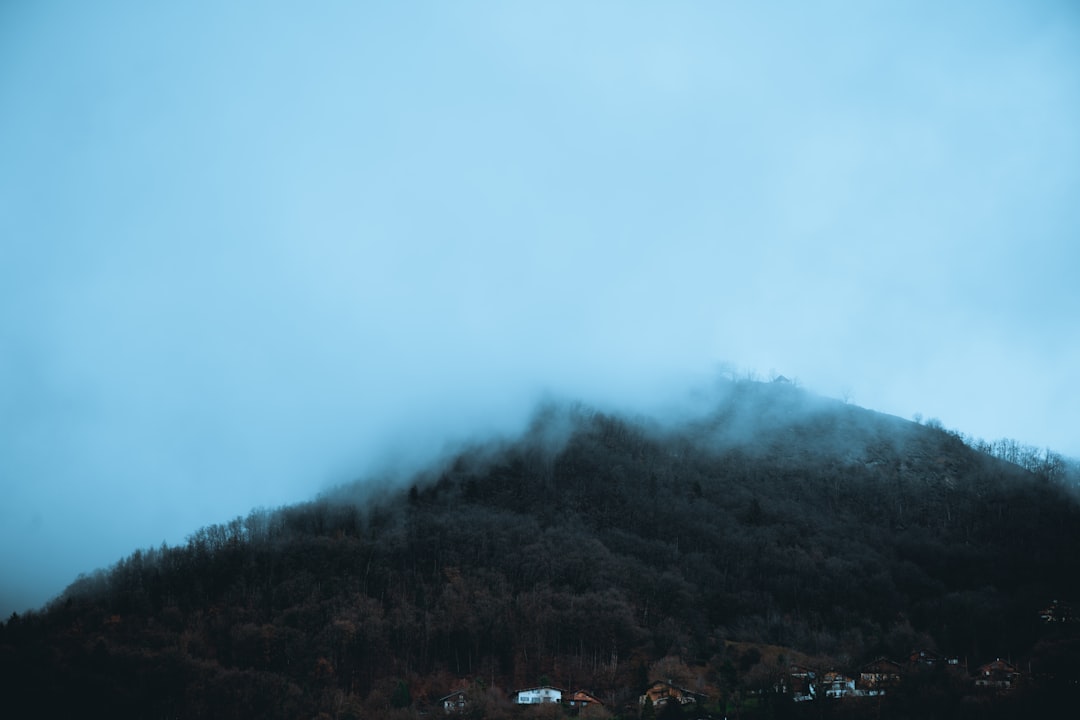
601	553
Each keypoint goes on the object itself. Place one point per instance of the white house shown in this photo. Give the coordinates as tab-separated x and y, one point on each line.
546	694
837	685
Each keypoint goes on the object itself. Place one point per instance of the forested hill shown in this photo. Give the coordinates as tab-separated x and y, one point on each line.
594	552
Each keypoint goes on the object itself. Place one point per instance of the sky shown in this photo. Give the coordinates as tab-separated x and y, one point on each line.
250	250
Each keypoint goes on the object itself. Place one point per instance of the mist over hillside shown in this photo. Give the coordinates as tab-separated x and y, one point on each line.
249	253
595	551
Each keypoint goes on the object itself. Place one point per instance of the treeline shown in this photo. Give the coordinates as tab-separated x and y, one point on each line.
583	553
1041	462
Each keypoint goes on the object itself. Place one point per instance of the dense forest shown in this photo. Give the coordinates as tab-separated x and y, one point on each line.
599	552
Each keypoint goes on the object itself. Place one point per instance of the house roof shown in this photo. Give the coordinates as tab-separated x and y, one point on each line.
998	665
582	696
672	686
880	663
924	656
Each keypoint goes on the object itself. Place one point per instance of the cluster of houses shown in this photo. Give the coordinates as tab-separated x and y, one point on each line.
801	683
459	701
877	677
659	692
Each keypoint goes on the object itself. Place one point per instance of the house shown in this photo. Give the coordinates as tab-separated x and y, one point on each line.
837	685
661	692
1056	612
800	682
581	699
454	702
998	674
878	676
925	658
537	695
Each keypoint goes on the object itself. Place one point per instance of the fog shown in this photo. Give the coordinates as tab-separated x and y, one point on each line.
251	252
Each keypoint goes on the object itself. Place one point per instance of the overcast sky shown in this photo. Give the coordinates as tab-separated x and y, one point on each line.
248	250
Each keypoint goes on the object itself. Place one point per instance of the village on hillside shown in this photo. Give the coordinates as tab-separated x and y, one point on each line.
796	682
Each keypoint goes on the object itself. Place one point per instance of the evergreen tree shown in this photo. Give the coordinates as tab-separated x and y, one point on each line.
401	698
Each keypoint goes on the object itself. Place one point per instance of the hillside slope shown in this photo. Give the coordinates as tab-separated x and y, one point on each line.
593	552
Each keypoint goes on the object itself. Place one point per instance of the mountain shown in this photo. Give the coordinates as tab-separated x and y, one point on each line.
603	553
